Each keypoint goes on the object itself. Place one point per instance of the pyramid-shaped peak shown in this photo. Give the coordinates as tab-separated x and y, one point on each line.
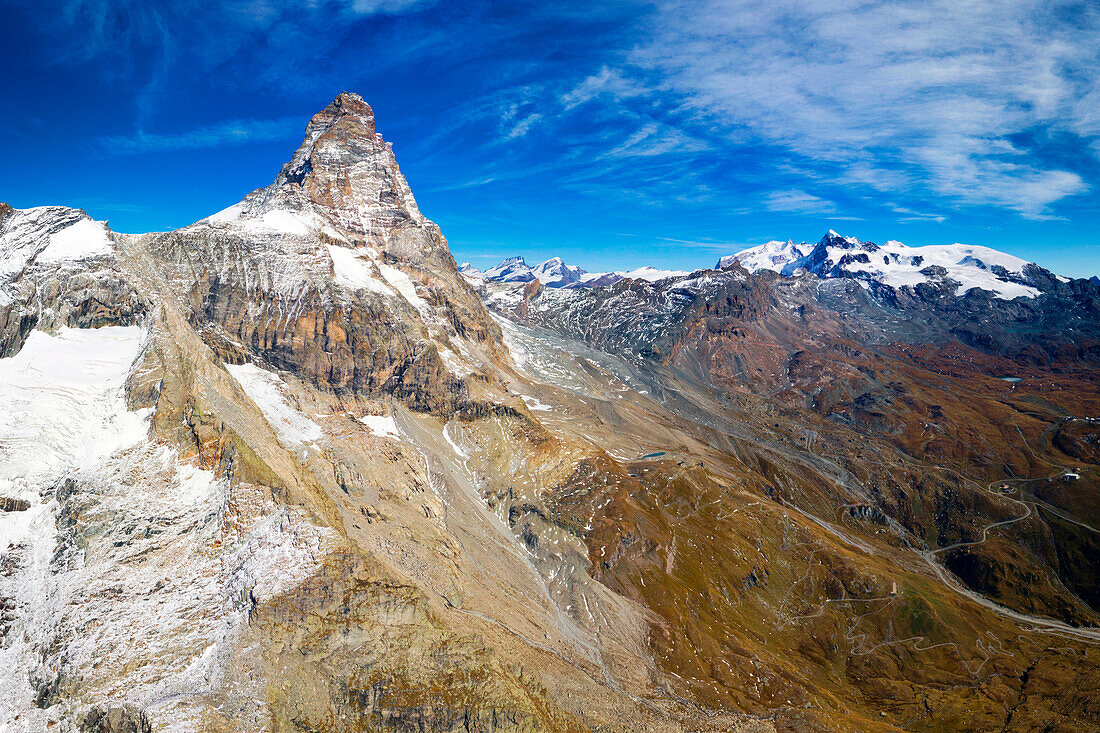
349	111
347	120
835	238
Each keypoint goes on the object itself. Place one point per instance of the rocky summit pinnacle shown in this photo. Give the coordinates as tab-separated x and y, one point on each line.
344	174
346	120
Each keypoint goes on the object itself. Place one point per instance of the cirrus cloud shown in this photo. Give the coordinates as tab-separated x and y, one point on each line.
902	94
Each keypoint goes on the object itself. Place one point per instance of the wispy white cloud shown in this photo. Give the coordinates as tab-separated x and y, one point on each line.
798	202
896	95
653	138
607	81
234	132
908	214
718	246
523	126
372	7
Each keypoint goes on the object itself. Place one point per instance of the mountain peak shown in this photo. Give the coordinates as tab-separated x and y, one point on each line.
512	269
343	174
834	236
345	125
348	111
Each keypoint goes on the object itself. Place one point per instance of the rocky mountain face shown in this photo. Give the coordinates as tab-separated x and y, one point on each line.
290	469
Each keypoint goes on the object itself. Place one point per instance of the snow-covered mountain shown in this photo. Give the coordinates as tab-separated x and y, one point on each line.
773	255
555	273
511	270
898	265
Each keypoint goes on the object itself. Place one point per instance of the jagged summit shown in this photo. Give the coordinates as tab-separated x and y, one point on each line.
346	120
343	175
337	242
836	237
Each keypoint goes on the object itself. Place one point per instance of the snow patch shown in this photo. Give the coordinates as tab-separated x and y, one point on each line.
404	285
267	391
226	215
450	441
352	271
284	221
80	241
380	425
533	403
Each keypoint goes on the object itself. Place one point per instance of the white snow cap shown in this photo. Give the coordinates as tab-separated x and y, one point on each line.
895	264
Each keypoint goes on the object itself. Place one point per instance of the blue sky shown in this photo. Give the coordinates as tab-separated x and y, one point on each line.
613	133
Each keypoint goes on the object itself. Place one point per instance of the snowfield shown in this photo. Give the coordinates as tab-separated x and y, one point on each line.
61	398
80	241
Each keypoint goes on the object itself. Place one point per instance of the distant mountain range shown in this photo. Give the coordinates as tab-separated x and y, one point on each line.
893	265
897	265
555	273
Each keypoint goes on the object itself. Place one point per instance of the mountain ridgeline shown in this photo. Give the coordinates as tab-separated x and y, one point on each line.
290	468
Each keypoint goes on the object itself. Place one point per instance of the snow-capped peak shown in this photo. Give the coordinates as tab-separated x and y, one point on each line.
511	270
773	255
470	271
898	265
833	235
556	274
